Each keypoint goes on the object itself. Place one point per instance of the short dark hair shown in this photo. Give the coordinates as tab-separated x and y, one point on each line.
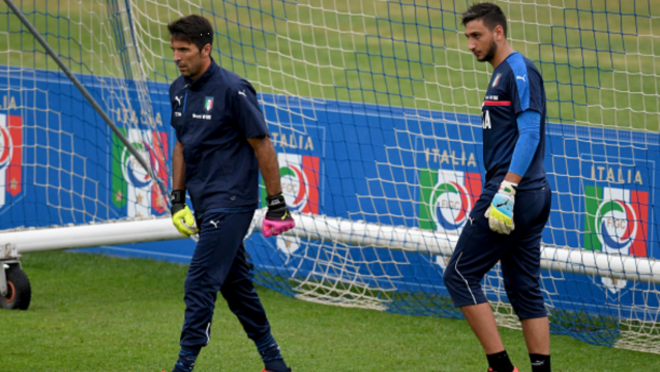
489	13
193	29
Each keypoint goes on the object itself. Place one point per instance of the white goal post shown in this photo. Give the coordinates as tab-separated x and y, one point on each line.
332	229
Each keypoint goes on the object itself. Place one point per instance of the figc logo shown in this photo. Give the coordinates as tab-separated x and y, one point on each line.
299	176
11	155
616	220
131	185
446	199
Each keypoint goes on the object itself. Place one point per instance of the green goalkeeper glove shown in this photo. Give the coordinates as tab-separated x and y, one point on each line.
182	216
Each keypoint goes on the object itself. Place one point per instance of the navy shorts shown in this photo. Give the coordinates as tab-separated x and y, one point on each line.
479	248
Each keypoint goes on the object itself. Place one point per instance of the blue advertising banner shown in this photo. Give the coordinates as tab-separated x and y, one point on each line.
60	164
73	169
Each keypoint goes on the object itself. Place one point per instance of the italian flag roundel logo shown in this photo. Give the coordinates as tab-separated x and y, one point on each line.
446	199
11	156
131	185
616	220
299	176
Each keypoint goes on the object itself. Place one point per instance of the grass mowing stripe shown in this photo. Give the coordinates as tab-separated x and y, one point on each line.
97	313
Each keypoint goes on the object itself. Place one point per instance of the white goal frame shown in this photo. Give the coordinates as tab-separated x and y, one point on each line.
562	259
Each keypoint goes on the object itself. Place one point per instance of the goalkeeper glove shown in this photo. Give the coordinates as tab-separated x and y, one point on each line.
182	217
278	218
500	212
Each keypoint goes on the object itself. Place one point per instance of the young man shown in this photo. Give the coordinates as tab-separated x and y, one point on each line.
222	143
507	221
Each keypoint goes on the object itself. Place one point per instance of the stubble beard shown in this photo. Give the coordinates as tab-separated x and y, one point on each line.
491	53
191	69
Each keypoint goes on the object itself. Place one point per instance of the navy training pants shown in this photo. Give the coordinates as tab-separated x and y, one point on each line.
219	264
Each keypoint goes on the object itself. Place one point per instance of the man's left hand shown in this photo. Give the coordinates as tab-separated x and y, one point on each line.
500	212
278	218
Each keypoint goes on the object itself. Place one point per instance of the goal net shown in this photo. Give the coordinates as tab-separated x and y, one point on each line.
374	110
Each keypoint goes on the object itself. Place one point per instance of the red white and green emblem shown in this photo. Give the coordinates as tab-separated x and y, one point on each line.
496	80
208	105
300	182
616	220
131	185
446	199
299	177
11	156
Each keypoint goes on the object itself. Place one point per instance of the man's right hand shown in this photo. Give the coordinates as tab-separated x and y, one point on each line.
182	216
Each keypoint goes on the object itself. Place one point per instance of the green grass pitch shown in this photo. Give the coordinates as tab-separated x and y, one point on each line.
97	313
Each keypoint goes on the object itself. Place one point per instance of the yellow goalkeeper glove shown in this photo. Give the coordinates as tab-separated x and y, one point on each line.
182	216
500	212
